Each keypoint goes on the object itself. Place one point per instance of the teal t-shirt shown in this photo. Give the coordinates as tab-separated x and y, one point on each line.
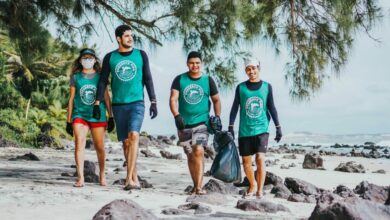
194	97
85	98
126	73
253	110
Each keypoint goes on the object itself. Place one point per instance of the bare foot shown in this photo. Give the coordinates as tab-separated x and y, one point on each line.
79	183
103	182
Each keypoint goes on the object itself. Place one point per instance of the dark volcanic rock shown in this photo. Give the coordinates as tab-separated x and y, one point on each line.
142	182
381	171
123	210
45	140
260	205
350	167
299	186
148	153
217	186
209	152
349	209
313	161
199	209
301	198
29	156
281	191
388	199
372	192
344	191
172	137
169	155
89	172
174	211
144	142
269	163
89	144
6	143
291	156
270	178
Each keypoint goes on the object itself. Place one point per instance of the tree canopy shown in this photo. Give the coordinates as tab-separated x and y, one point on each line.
317	34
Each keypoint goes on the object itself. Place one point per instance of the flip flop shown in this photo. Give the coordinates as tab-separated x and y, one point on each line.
78	185
200	192
248	195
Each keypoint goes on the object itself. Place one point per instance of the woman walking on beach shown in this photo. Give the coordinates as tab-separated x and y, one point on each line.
83	85
255	100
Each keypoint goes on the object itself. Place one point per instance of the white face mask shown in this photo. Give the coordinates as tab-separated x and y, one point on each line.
87	63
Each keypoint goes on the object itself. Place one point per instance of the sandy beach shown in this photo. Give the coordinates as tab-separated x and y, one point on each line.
36	189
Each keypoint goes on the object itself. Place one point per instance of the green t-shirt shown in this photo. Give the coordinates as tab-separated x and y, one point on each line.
85	98
194	96
253	110
126	72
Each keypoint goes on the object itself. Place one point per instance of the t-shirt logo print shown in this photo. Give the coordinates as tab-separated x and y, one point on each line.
126	70
193	94
88	94
254	107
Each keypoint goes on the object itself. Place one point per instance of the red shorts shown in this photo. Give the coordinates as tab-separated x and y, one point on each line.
90	124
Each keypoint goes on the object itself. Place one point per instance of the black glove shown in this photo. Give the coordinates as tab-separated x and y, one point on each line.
231	130
179	121
111	124
215	123
153	110
278	134
69	128
96	112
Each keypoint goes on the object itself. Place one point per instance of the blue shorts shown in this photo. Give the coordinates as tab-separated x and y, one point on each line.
128	118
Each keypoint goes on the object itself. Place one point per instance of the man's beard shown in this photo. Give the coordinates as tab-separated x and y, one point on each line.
126	46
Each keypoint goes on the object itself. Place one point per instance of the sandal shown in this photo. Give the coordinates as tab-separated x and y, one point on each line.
248	195
200	192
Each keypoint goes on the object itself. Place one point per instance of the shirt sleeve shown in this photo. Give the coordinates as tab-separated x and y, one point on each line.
103	81
271	106
176	83
72	81
213	87
147	77
234	109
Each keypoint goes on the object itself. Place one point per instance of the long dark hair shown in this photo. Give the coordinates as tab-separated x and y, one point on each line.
77	67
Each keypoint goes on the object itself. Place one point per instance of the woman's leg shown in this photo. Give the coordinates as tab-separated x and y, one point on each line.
98	142
260	173
80	136
247	163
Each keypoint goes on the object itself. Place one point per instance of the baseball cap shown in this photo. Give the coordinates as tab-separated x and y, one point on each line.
87	51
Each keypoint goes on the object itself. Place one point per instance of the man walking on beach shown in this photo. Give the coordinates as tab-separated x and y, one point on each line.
190	105
130	72
255	100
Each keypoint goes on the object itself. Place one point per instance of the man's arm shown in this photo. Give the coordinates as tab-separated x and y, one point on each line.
215	97
271	107
147	77
173	102
234	109
216	104
103	81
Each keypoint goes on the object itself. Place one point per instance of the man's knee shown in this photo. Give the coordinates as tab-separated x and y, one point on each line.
197	150
260	158
132	136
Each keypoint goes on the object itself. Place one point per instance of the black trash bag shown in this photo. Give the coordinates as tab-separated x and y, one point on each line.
226	165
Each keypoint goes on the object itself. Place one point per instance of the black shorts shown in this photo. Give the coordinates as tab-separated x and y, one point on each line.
254	144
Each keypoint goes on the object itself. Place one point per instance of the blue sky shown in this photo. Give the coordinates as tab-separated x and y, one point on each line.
358	101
